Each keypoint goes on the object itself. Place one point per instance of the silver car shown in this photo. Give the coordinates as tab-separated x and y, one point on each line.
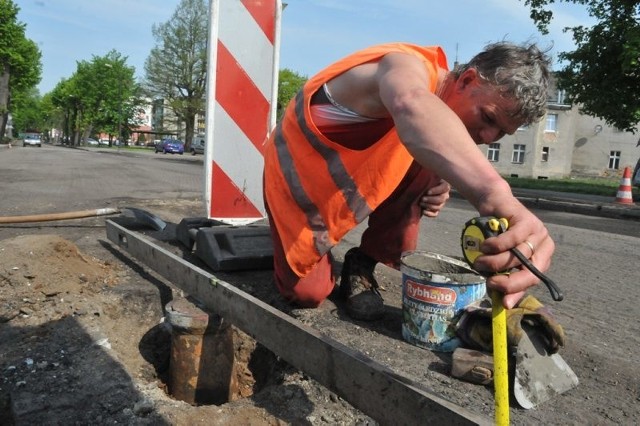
197	146
32	139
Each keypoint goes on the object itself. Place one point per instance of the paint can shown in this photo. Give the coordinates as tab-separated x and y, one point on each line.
435	291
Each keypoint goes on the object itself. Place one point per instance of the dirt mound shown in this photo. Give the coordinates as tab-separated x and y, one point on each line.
40	270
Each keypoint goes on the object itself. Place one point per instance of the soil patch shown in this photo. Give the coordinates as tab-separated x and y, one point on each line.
85	342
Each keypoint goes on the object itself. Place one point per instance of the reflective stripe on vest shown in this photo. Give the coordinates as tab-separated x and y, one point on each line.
355	201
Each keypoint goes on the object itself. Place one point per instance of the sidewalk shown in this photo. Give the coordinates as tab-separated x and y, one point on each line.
592	205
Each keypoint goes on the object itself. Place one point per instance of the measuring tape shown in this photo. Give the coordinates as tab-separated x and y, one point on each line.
479	229
474	233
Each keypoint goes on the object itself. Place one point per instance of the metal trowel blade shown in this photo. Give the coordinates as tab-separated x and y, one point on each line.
539	376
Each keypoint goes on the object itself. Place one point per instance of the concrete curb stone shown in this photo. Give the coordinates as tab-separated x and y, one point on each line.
590	205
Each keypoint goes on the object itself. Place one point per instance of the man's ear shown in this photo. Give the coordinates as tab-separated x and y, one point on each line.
468	77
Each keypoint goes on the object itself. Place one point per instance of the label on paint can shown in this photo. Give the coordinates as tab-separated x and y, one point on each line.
435	291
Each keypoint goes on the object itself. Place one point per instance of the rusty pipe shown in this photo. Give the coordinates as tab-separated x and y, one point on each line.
202	365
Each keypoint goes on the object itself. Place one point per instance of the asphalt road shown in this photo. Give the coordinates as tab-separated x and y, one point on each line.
56	179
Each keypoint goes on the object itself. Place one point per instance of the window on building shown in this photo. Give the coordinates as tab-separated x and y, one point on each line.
545	154
493	153
614	160
518	153
556	96
552	123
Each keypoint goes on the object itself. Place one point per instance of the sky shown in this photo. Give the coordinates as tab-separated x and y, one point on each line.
314	33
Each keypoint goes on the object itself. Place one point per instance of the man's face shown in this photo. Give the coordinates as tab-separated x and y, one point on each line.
484	112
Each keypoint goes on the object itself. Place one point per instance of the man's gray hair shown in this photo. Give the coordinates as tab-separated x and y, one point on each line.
519	71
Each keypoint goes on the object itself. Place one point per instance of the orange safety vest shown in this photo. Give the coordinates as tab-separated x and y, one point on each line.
318	190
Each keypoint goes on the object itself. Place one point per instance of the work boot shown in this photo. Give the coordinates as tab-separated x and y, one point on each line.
359	287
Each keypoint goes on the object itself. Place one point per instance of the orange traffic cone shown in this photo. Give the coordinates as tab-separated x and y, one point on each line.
624	190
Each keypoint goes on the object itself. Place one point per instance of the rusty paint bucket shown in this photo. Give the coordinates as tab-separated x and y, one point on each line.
435	291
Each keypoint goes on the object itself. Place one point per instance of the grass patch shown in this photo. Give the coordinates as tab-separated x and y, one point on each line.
594	186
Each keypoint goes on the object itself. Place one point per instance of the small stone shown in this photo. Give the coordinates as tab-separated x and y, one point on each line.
26	311
143	407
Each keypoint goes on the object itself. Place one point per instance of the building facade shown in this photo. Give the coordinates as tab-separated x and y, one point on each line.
564	143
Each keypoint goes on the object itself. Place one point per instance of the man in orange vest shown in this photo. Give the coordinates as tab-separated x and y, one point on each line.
380	135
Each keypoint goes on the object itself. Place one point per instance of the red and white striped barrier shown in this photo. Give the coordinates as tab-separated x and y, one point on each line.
244	37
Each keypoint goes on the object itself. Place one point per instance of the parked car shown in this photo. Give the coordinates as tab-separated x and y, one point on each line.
197	146
174	146
32	139
92	142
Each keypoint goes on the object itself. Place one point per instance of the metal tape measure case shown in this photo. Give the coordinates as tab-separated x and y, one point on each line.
476	231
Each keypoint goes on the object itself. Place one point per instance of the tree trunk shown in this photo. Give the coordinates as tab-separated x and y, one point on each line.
4	99
189	127
74	127
87	132
4	118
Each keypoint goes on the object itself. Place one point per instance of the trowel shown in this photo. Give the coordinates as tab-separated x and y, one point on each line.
539	376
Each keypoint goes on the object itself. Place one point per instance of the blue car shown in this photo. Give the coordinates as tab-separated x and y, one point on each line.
174	146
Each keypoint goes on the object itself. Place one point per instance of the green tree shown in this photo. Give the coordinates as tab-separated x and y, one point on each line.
289	83
101	96
20	60
603	74
51	116
26	112
176	67
66	99
108	96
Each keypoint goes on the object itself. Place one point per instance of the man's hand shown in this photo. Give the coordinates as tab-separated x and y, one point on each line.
529	235
434	199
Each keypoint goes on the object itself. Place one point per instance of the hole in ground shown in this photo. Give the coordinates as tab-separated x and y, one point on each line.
255	367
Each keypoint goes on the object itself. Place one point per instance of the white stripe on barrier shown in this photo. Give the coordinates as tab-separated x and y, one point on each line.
240	160
245	40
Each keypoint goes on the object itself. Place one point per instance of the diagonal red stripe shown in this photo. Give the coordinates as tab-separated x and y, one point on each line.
240	98
264	13
228	201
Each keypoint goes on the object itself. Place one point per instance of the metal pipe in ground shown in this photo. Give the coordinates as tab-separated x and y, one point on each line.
202	368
